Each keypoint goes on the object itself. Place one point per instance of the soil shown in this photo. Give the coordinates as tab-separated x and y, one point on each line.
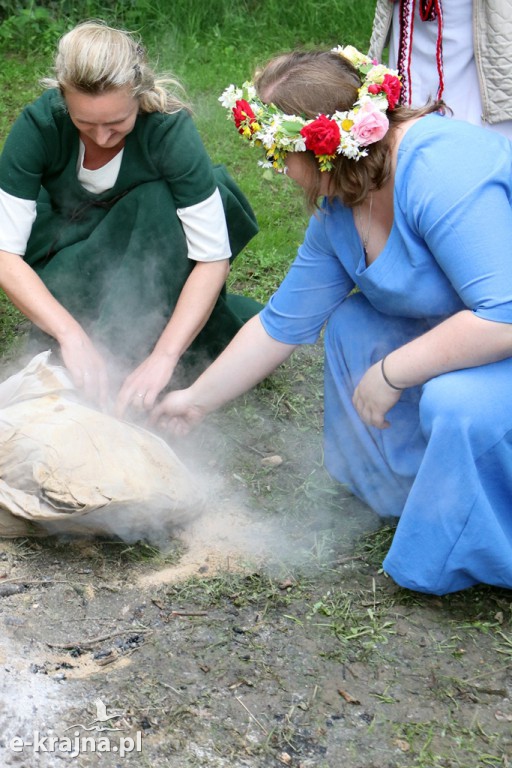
263	634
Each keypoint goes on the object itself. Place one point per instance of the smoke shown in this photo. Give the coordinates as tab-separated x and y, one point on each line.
28	703
245	489
278	516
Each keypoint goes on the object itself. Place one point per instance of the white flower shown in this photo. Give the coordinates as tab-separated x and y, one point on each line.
378	101
299	144
349	147
275	122
376	73
352	54
256	108
250	91
267	137
230	96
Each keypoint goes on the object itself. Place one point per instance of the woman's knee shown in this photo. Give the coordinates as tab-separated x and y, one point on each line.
464	402
441	398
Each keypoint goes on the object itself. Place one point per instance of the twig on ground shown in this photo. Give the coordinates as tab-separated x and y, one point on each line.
94	641
20	580
252	716
248	447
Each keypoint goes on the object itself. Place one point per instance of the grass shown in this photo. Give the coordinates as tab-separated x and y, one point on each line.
438	745
101	552
240	590
358	620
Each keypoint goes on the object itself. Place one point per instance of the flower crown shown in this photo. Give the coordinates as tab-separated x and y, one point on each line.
347	133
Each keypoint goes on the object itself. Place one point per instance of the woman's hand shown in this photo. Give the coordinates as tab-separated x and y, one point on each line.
86	367
30	295
373	398
190	315
248	359
142	387
178	412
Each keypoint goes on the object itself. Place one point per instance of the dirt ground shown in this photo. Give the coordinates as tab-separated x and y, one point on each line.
264	634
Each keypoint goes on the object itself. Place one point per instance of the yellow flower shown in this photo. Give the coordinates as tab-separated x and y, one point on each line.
347	124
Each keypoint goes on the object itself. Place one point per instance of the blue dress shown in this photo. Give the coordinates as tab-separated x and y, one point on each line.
444	467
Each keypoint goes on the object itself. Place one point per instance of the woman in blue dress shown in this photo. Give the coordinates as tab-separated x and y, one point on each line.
406	263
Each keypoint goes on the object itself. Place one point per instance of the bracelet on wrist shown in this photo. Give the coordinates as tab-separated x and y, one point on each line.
398	389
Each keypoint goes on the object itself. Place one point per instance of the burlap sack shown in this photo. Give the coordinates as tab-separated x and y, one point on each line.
66	467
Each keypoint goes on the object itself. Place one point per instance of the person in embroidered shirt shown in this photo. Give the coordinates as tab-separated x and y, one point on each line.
418	359
451	50
125	227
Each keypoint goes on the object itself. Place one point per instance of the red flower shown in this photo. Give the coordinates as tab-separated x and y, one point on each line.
391	86
242	112
322	136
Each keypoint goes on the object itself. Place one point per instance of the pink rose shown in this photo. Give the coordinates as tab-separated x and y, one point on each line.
370	125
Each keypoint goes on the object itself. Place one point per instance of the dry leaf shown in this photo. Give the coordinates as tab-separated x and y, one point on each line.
504	716
402	744
272	461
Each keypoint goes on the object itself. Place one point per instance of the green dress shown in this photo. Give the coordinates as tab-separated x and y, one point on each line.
118	260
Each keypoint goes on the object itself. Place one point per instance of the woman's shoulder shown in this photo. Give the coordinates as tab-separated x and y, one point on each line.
168	134
164	122
45	115
441	146
42	120
49	105
445	164
437	132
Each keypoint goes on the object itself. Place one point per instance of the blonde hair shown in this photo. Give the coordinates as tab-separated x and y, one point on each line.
94	58
309	83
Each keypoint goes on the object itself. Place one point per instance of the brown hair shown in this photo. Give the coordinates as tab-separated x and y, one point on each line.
309	83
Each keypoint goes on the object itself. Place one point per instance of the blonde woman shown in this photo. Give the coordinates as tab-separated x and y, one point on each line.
116	232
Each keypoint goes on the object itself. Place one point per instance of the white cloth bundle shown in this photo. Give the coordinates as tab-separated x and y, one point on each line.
66	467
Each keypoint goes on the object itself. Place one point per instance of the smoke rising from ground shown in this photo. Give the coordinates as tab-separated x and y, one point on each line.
232	503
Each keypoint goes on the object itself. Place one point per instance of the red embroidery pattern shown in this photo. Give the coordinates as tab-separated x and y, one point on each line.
429	10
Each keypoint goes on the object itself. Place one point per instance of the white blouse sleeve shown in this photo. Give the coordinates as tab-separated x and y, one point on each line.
16	219
206	230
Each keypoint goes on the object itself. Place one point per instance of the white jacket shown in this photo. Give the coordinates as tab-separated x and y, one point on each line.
492	39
